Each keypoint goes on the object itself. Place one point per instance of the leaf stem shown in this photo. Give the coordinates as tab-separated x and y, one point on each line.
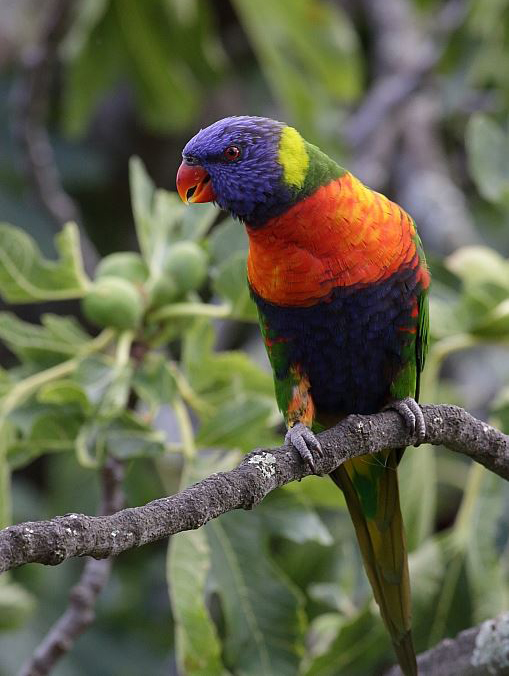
187	393
191	310
22	390
186	428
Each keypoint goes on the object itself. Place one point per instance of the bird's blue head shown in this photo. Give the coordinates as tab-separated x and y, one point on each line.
251	166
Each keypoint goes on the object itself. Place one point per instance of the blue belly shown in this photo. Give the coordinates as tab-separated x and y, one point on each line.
351	347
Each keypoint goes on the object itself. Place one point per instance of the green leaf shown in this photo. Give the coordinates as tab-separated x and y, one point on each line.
226	239
239	369
418	503
33	342
157	215
288	516
89	445
476	265
198	646
488	154
500	409
317	492
494	324
65	330
94	374
115	396
197	221
308	52
188	567
6	439
16	605
166	88
153	381
427	566
128	437
263	611
52	431
25	276
475	584
106	385
230	282
359	645
64	391
237	424
94	61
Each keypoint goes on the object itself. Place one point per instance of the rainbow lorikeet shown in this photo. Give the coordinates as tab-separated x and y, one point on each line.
339	277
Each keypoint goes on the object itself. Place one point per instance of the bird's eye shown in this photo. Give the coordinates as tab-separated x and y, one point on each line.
232	153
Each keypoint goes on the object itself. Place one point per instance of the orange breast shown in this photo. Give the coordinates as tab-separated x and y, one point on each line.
344	234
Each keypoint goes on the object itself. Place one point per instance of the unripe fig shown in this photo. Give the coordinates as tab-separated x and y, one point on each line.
125	264
186	264
113	302
163	292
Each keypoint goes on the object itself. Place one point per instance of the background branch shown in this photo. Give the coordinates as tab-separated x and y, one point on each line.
80	612
263	470
30	103
478	651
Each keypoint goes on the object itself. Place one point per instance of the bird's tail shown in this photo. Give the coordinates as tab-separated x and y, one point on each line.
370	486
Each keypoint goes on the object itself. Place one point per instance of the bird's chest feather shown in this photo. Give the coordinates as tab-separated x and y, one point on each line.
351	347
336	280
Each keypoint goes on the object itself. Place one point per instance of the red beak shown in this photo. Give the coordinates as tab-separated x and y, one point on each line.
194	184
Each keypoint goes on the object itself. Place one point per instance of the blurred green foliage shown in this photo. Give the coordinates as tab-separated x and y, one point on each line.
280	590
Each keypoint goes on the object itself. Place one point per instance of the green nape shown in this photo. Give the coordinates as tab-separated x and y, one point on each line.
305	166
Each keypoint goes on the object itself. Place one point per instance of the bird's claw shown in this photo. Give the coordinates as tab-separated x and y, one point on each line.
305	442
412	415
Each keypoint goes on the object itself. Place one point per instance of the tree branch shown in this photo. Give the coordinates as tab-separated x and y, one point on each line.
80	612
30	102
478	651
263	470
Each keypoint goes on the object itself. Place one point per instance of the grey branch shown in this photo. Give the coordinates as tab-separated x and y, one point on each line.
263	470
30	101
478	651
80	612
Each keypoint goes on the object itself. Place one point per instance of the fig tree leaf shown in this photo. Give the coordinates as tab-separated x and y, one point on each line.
198	647
263	611
230	282
239	423
16	605
64	391
51	432
488	154
292	519
32	341
153	381
226	239
360	643
127	437
7	435
26	276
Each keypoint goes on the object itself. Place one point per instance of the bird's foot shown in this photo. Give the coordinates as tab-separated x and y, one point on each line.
412	415
302	438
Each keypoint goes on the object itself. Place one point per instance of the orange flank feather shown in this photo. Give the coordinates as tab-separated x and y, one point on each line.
301	407
344	234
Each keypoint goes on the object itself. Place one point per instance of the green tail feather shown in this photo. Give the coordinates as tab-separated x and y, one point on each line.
370	486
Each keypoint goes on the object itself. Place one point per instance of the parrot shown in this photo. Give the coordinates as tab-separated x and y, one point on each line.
339	277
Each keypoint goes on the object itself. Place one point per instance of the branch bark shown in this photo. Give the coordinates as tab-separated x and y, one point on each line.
80	612
478	651
263	470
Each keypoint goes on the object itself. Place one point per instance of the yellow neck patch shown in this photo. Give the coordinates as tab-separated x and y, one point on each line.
293	157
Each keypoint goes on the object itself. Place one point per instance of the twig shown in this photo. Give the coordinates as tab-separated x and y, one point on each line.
478	651
80	612
29	111
263	470
403	58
